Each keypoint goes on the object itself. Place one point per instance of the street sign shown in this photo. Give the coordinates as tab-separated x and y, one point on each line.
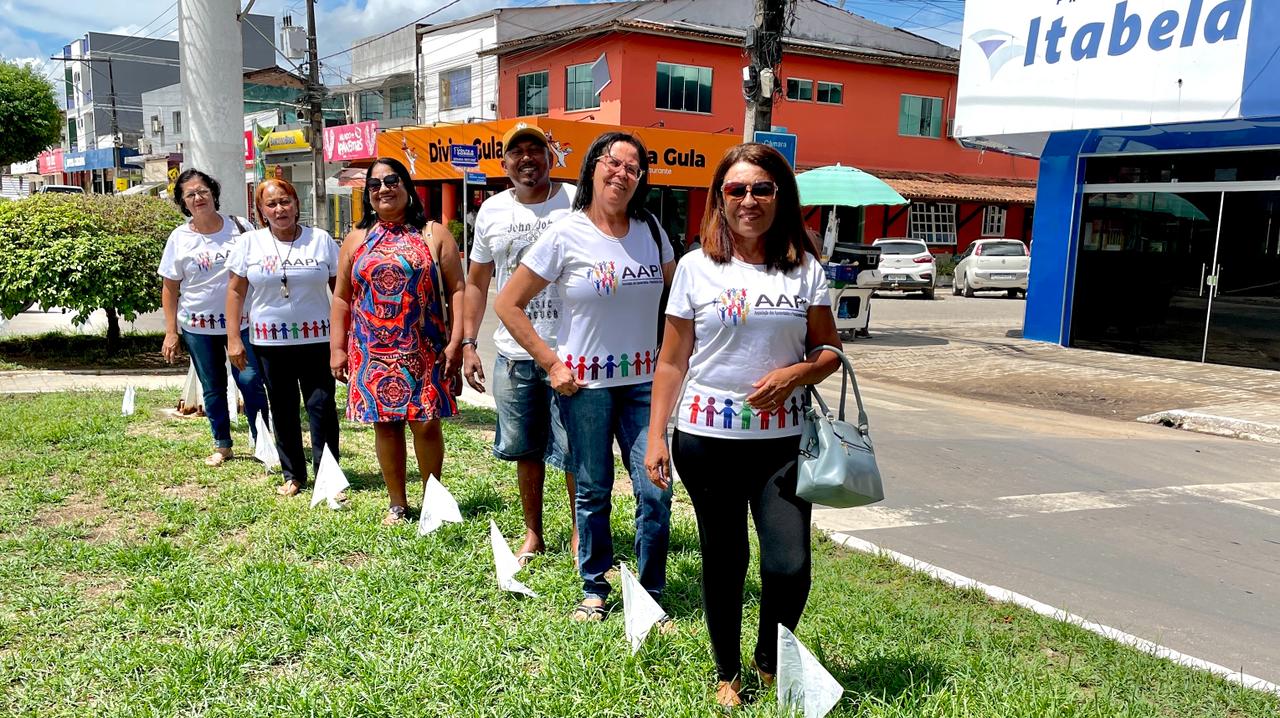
780	141
476	178
464	156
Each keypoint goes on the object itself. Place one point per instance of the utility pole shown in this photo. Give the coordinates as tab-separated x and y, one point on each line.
315	96
764	45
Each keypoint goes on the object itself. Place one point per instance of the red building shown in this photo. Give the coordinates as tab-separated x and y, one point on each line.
883	105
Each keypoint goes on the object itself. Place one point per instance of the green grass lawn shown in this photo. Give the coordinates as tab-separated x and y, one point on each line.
134	581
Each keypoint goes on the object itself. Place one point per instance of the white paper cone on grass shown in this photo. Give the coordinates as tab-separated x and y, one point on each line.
233	397
330	481
438	506
504	562
639	611
126	407
804	686
192	393
264	449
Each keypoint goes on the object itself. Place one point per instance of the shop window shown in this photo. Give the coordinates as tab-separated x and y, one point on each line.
177	123
578	88
402	101
932	222
684	88
830	93
799	90
531	89
371	105
993	221
455	88
920	116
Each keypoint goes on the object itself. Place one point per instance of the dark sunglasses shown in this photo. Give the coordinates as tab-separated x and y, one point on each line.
374	184
759	190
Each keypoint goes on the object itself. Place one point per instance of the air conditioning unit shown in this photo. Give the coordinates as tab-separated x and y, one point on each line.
951	128
156	127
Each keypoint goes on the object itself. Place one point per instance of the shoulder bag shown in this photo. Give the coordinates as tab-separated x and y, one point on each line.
446	315
837	465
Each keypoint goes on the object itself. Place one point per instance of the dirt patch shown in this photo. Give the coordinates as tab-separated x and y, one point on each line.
356	559
100	523
93	587
187	492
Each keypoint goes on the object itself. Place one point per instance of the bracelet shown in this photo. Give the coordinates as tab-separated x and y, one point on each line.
472	341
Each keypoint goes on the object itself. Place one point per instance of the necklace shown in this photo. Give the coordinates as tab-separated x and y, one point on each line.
284	262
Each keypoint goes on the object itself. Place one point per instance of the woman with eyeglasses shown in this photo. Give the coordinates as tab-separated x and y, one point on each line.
610	270
744	310
389	342
194	298
290	269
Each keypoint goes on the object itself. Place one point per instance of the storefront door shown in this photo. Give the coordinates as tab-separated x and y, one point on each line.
1243	325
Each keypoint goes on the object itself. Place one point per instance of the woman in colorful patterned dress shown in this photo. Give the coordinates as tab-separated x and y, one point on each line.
389	343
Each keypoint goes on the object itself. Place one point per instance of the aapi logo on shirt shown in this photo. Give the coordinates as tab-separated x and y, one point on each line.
781	305
206	260
733	306
270	264
604	275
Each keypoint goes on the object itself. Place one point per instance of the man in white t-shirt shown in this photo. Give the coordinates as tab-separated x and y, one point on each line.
529	431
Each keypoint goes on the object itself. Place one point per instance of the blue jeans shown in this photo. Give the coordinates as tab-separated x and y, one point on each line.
529	425
593	418
209	354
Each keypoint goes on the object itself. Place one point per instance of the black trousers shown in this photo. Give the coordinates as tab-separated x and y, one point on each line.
725	477
287	370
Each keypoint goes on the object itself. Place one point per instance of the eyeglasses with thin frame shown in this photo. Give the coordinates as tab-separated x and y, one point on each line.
614	164
763	190
374	184
197	194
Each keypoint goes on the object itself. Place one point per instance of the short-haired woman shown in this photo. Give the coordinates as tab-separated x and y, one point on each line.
744	311
194	298
290	269
389	341
611	271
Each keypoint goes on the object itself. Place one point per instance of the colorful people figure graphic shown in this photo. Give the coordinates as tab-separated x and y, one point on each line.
275	334
795	412
202	321
782	416
295	330
625	364
728	413
568	361
222	321
595	368
637	365
306	330
582	368
695	409
315	329
609	365
710	411
648	364
764	419
746	416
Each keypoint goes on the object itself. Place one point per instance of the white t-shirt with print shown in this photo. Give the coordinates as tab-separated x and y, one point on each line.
308	261
609	291
198	261
747	321
505	230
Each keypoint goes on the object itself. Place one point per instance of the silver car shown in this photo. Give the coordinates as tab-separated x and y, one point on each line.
1002	264
906	264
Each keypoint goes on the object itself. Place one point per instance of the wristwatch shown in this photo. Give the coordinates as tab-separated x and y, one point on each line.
472	341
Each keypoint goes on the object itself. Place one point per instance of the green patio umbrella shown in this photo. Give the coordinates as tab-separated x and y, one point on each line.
846	186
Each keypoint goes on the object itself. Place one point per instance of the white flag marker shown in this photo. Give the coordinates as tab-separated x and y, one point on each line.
233	399
126	407
438	506
803	684
639	611
505	563
330	481
264	449
192	392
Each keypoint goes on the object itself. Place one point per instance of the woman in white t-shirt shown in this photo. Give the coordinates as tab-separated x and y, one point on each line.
610	269
291	270
194	268
743	311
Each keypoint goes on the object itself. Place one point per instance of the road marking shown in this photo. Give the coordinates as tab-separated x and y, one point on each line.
884	404
1004	595
870	518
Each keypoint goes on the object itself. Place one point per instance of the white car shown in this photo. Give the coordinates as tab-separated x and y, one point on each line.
906	264
60	189
1002	264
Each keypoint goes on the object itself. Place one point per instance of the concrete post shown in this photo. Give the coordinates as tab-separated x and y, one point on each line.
211	54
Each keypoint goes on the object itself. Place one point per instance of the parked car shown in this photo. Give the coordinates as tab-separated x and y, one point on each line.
60	189
993	264
906	264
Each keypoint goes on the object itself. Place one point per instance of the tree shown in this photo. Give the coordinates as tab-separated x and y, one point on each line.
29	114
84	253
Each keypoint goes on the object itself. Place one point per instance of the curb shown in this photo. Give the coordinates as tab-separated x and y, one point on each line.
1203	423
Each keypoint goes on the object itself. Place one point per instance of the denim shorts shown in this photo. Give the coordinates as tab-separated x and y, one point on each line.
529	425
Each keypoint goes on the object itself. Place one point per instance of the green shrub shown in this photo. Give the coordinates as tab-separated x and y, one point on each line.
455	228
945	264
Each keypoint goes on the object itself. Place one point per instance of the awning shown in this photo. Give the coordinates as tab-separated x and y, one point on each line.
144	188
350	177
959	188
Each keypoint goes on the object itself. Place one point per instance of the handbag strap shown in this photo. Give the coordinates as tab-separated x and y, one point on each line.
847	377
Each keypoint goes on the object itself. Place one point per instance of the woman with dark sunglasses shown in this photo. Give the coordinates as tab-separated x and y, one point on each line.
389	341
744	309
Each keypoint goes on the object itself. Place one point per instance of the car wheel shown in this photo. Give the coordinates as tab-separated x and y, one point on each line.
955	286
968	290
928	293
1012	294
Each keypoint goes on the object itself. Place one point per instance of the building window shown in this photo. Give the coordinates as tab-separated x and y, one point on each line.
402	101
578	88
177	122
920	116
455	88
993	221
685	88
531	91
831	93
370	105
932	222
801	90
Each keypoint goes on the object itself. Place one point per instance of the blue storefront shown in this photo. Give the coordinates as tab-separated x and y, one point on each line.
1153	238
96	170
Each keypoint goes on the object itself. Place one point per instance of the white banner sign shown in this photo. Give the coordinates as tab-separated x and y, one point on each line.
1048	65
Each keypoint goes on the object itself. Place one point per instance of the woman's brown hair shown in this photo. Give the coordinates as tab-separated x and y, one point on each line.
786	241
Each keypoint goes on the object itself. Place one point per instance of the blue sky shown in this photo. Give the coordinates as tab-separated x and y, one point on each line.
28	33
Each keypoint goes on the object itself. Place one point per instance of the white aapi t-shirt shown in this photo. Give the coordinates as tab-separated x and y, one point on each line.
505	230
308	262
198	261
747	321
609	291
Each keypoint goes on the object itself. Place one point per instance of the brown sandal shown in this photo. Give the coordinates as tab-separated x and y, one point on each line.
727	693
218	457
289	488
